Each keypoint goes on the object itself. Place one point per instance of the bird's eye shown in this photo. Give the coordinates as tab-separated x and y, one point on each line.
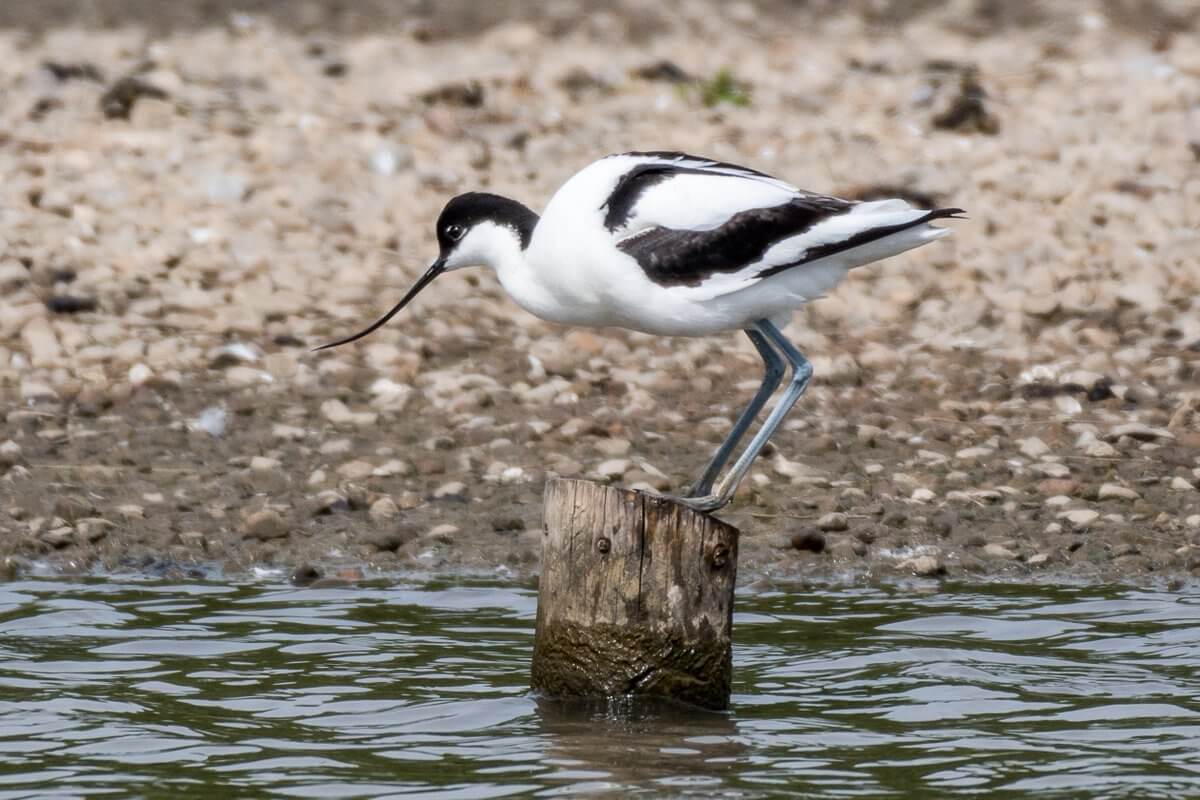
454	232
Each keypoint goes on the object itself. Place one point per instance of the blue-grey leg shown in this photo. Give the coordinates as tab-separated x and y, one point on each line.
801	373
772	375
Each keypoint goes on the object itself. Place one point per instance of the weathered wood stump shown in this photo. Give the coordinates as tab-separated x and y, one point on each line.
636	597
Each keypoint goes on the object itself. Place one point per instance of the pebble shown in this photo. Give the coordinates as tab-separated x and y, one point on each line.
384	509
1051	469
1033	447
264	464
1038	559
1058	500
10	454
612	468
453	488
1181	484
833	521
356	470
1081	517
1139	431
339	414
1099	449
265	524
614	447
131	511
443	533
924	566
998	551
1114	491
922	495
1057	486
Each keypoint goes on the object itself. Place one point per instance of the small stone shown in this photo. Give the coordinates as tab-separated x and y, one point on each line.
973	453
288	432
1067	404
998	551
451	489
356	470
868	435
384	509
1181	484
130	511
614	447
1114	491
924	566
808	540
327	502
612	468
1099	449
923	495
10	454
1080	517
834	521
443	533
140	375
1038	559
409	500
1051	469
1139	431
1033	447
264	464
265	524
1057	486
1058	500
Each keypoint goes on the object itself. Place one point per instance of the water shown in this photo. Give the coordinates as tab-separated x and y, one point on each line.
419	690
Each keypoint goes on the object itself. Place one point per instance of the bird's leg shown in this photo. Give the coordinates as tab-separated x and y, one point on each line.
801	373
771	378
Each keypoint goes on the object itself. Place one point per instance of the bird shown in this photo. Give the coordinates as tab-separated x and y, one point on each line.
673	244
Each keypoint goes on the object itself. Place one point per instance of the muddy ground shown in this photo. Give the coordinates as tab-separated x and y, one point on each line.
187	210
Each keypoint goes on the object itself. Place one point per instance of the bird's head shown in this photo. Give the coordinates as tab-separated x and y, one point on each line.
474	229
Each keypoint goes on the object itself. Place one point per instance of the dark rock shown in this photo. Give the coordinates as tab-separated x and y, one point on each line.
69	304
77	71
305	575
1101	390
466	95
664	70
809	540
508	524
118	101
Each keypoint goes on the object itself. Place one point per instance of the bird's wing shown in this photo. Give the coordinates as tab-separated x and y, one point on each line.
718	228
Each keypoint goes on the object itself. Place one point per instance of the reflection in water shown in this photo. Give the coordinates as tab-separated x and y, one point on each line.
420	690
625	741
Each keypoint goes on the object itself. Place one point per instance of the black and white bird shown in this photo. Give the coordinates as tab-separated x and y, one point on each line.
679	245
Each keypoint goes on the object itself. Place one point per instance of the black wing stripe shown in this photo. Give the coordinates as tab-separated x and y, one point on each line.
634	183
862	237
671	257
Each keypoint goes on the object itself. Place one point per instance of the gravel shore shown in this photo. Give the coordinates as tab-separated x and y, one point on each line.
185	213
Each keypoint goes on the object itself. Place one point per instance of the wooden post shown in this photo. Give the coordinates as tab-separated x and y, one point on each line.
635	597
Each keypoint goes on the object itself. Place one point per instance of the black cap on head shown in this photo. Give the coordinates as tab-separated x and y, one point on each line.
456	219
474	207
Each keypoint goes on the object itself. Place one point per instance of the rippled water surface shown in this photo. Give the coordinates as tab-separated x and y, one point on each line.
406	690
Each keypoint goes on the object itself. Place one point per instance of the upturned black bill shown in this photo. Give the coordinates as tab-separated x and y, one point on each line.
437	268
